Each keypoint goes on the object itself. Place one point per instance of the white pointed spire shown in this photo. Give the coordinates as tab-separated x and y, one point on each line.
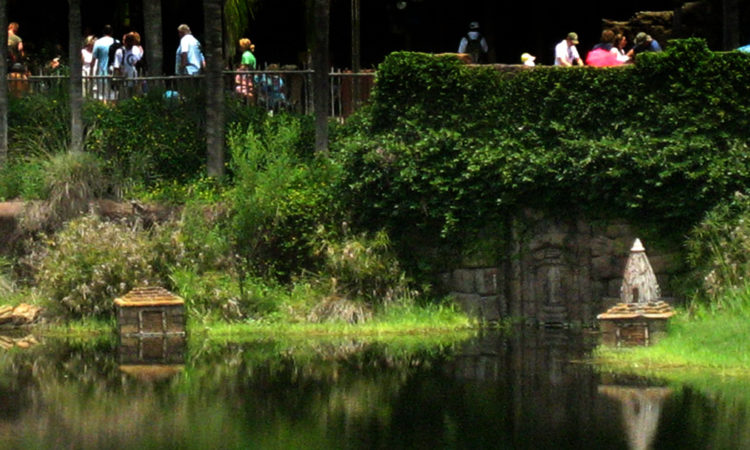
639	283
637	246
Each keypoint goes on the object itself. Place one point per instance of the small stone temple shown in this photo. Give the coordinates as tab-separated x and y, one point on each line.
150	311
641	314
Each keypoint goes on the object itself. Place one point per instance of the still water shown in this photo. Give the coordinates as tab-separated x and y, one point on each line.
528	389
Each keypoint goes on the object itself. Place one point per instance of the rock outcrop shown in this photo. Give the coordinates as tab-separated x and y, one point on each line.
21	315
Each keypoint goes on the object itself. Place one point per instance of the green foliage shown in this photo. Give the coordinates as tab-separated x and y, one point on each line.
22	178
446	150
146	138
719	248
202	189
280	195
365	268
38	124
215	295
71	181
90	262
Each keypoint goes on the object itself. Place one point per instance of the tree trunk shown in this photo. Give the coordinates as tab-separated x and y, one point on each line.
212	13
152	28
356	35
731	24
321	10
76	78
3	83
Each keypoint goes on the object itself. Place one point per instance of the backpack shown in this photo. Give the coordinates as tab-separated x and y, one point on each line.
474	47
113	50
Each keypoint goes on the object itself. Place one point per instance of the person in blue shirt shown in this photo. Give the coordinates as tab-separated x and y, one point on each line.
101	52
645	43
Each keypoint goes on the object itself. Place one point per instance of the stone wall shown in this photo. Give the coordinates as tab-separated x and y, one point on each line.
554	271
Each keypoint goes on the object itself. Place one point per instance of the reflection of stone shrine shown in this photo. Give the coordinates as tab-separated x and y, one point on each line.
641	315
641	408
152	357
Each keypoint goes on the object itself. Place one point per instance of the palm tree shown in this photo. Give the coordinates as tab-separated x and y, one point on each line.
76	89
212	16
152	28
3	83
237	15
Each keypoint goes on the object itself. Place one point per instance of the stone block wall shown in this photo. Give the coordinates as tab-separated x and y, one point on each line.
554	271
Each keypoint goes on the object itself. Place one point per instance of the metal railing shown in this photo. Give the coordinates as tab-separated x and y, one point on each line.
274	90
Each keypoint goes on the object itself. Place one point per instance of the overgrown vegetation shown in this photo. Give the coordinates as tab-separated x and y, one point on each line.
446	149
443	152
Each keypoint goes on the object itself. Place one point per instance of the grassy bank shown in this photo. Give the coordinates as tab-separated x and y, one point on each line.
399	322
713	337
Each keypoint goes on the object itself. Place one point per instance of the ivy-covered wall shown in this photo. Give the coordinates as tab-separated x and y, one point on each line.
446	152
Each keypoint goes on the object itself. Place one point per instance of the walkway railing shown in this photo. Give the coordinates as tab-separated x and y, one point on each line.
274	90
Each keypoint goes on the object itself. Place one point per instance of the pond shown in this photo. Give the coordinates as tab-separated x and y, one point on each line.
527	389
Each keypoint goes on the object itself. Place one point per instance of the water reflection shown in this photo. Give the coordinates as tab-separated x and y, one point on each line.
524	390
641	409
152	358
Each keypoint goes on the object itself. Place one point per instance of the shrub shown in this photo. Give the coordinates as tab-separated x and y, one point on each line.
90	262
719	248
213	294
72	180
278	199
364	268
38	124
22	178
147	138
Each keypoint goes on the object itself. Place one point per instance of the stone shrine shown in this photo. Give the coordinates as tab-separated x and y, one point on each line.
641	314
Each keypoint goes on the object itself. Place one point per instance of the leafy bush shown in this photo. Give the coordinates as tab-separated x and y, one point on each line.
146	138
279	197
71	180
719	248
364	268
213	294
22	178
90	262
38	124
446	149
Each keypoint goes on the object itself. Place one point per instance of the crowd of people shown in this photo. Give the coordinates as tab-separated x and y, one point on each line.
612	49
110	66
265	88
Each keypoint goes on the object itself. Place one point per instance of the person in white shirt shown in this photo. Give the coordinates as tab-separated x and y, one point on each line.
87	65
128	56
566	54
